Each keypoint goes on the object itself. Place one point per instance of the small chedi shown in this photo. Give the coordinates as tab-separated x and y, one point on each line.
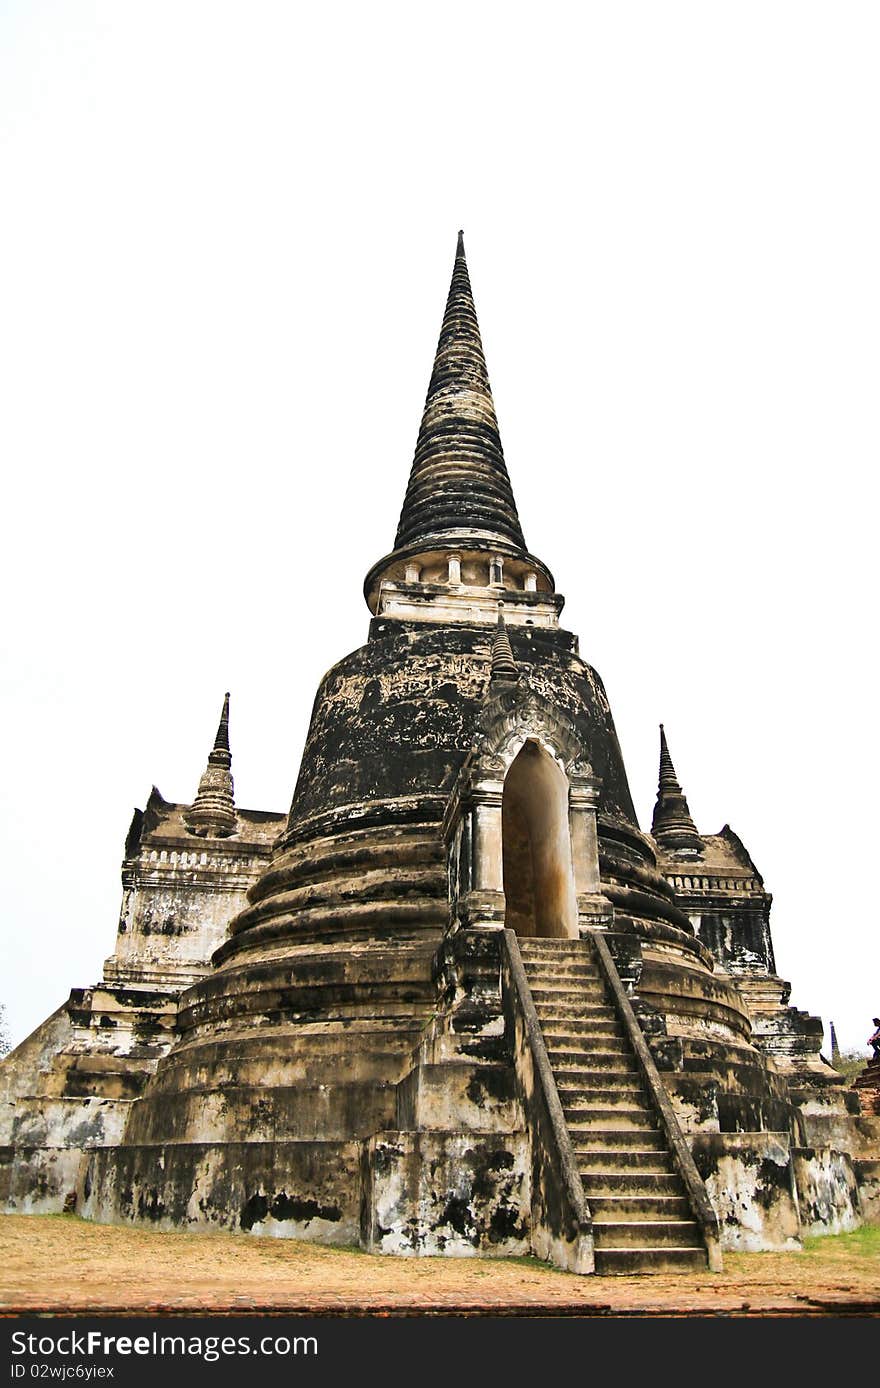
456	1000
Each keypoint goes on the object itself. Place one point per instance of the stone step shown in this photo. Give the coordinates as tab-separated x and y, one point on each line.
647	1233
620	1261
574	1051
641	1214
610	1081
593	1025
579	985
595	1011
595	1070
630	1208
571	973
565	983
576	1012
631	1121
588	1140
562	970
567	1061
656	1160
571	1034
552	949
630	1108
547	994
575	1097
582	1055
591	1005
556	1004
630	1182
556	954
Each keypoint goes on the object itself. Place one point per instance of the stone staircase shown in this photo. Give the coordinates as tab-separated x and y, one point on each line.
642	1221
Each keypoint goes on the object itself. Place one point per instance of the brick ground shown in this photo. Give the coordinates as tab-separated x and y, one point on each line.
60	1263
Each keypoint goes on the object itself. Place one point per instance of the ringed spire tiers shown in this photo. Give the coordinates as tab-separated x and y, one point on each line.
503	670
672	824
212	813
459	502
459	485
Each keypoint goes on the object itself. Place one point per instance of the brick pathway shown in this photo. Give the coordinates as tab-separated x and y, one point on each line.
60	1263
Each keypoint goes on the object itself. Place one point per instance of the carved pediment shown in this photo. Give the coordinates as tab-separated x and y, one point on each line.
511	716
517	713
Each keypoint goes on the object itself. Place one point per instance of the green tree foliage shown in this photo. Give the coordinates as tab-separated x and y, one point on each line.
850	1063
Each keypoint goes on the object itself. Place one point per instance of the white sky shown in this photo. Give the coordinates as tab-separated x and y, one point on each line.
226	237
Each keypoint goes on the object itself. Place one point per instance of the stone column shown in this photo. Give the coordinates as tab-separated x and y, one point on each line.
594	910
488	849
473	823
485	902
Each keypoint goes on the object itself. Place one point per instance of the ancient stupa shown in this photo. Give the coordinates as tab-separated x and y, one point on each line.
457	1000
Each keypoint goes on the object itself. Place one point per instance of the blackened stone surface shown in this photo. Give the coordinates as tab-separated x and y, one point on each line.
471	1192
296	1189
748	1178
397	717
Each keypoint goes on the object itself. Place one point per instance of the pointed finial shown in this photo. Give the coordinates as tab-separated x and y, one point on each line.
504	669
459	487
668	779
213	810
221	741
672	825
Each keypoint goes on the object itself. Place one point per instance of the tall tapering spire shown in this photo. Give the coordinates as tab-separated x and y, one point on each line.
212	813
672	825
459	539
504	669
221	741
459	489
668	783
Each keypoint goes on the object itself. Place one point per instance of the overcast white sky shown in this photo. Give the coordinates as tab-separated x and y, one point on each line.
225	244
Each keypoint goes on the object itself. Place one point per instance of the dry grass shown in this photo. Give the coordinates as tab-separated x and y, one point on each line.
63	1263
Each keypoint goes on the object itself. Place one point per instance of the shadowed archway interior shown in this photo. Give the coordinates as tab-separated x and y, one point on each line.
538	880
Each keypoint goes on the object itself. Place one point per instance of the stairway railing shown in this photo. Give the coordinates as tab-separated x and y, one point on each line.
701	1206
562	1226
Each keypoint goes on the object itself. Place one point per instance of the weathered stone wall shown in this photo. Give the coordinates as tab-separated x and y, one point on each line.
70	1086
720	889
868	1180
827	1190
304	1190
181	890
39	1180
454	1193
748	1177
827	1114
397	717
32	1058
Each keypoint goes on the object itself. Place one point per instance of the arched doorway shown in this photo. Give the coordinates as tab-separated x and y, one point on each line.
539	888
